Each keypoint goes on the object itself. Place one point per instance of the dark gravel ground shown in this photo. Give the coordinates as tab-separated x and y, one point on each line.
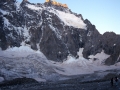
73	84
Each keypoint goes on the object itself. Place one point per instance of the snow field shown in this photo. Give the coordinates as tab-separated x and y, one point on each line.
25	62
71	20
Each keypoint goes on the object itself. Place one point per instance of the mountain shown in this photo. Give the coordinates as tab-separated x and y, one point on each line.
54	30
46	41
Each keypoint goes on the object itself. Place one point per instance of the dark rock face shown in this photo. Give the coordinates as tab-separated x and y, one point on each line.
9	33
111	45
44	30
93	40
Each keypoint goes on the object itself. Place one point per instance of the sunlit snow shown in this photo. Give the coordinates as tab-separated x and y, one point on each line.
33	7
71	20
4	12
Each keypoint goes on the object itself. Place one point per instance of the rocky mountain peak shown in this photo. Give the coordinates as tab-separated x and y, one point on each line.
57	5
50	28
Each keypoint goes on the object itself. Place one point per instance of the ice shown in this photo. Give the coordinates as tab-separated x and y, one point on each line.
19	30
17	5
22	51
26	33
33	7
4	12
71	19
80	52
114	45
22	61
73	66
56	31
6	22
100	58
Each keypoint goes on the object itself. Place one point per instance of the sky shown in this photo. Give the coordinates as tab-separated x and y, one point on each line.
104	14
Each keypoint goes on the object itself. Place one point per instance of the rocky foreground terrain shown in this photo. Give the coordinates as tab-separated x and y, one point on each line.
72	84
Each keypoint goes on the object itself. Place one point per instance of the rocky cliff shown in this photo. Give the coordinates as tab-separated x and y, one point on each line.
54	30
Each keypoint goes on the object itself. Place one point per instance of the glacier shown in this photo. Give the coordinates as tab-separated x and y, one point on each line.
24	62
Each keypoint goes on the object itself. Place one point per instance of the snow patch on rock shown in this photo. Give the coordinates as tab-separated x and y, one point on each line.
6	22
33	7
4	12
99	58
71	20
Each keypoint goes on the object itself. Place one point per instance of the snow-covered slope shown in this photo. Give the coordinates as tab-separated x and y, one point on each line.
25	62
73	66
70	19
33	7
